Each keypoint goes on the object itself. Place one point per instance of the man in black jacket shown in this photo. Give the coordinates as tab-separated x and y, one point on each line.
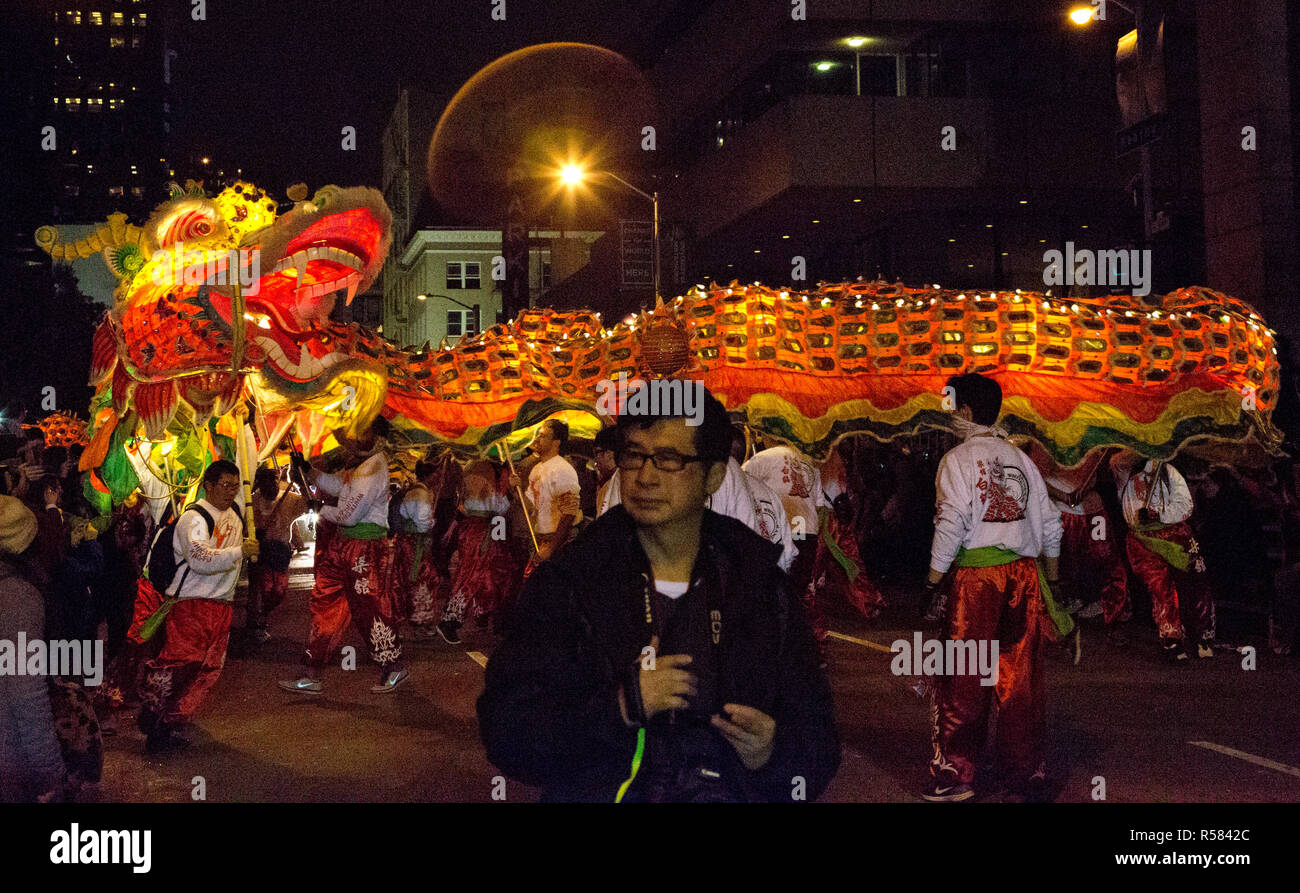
659	657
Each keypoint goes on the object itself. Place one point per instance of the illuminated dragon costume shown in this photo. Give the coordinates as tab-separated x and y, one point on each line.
171	358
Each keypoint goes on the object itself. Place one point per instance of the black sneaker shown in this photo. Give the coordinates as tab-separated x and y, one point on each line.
450	632
947	792
165	740
1173	652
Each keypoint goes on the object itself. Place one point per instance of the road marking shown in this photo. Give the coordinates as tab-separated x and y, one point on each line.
1248	757
479	658
833	634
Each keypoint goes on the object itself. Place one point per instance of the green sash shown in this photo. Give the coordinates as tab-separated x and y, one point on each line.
992	556
422	541
364	531
1173	554
851	569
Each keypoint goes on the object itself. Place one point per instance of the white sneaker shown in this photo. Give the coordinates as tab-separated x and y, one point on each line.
391	681
305	685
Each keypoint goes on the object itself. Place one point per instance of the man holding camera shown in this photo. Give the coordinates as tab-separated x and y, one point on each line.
659	656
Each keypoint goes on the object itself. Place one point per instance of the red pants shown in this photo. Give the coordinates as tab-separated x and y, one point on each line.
193	653
122	682
352	579
828	575
993	603
485	572
266	590
1092	565
414	598
1179	599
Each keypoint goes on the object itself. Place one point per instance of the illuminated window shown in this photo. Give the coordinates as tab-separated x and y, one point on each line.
462	275
119	19
135	43
117	41
71	189
139	19
56	40
96	18
75	16
116	190
137	191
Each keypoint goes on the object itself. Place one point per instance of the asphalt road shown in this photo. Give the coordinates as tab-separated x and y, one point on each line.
1120	715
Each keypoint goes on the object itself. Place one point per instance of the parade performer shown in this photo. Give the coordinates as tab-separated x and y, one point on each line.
275	506
1164	553
485	568
552	494
353	569
838	565
993	520
1090	557
798	483
415	566
208	547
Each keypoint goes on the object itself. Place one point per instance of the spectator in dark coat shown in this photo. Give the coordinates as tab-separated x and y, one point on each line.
664	633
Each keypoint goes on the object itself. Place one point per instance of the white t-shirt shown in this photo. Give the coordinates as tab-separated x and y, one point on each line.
553	489
796	480
990	494
672	590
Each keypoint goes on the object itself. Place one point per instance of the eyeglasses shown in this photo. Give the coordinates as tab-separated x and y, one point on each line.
632	460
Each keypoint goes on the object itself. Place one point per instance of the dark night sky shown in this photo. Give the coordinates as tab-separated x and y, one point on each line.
267	86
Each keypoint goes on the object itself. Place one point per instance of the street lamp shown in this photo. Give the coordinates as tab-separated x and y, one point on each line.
1083	15
475	309
573	174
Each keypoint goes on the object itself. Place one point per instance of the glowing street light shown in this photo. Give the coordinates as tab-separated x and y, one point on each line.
571	174
1082	15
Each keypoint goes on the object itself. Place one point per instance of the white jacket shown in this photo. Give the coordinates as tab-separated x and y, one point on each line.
1172	503
991	494
362	497
213	559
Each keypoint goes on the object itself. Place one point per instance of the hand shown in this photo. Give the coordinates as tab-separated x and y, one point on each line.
515	483
545	550
250	548
751	732
667	686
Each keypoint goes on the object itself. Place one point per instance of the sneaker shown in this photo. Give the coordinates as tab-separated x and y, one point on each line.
1035	789
944	792
937	609
1173	652
1089	611
1204	649
165	740
450	632
305	685
391	681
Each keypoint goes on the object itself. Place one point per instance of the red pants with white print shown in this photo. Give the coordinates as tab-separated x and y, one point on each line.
999	603
1179	599
414	598
194	650
1094	566
353	579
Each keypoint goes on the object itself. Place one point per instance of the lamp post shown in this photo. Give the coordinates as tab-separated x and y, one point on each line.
1083	15
475	309
572	175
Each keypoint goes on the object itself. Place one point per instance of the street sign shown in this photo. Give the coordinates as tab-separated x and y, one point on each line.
1140	134
636	253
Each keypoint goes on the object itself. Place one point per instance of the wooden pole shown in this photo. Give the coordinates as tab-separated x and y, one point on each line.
505	451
